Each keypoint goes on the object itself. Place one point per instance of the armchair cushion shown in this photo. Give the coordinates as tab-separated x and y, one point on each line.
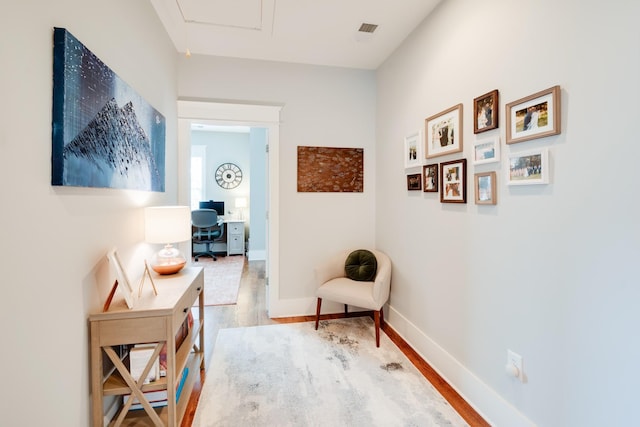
361	265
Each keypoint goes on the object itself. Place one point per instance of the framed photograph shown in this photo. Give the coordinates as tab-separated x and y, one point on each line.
485	186
485	112
486	150
430	174
122	281
444	132
414	182
535	116
527	168
453	176
413	150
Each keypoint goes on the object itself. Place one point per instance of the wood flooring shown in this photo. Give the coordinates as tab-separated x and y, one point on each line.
251	310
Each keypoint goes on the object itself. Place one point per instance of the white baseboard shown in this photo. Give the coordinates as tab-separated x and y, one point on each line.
489	404
257	255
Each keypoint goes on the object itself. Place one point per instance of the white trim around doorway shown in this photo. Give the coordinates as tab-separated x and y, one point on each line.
225	113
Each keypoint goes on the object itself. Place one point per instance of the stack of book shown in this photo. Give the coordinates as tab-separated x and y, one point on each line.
159	398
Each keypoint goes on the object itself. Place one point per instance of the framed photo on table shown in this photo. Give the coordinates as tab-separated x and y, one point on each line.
443	132
430	174
413	150
485	188
534	116
529	168
121	281
485	112
453	178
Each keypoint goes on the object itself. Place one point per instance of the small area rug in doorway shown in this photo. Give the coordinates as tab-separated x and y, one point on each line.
221	279
292	375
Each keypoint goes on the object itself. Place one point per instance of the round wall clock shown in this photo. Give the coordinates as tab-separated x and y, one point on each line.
228	175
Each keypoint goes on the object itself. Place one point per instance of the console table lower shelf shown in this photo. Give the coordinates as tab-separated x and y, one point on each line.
166	321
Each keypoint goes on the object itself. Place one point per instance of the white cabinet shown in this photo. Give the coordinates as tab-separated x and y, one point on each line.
235	237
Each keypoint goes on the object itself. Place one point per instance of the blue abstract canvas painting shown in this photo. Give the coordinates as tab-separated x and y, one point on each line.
104	134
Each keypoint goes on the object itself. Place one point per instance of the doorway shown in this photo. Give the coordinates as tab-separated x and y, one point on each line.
258	116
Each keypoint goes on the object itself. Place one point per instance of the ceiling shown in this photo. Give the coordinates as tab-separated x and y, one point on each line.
319	32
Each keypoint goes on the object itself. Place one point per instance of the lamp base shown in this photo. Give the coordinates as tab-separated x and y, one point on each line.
168	268
168	261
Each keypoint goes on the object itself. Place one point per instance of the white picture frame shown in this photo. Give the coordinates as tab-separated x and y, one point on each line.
486	150
528	167
413	150
121	276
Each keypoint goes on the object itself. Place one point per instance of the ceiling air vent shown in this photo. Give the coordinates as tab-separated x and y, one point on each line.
367	28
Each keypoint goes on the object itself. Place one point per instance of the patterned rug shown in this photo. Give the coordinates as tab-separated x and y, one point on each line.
292	375
221	279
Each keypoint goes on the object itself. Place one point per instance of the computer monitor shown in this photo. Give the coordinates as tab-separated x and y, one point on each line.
210	204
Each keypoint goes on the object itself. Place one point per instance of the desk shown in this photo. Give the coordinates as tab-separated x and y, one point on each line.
154	319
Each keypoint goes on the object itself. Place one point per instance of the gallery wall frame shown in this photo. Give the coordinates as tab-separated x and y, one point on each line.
453	178
534	116
443	132
485	188
486	150
104	134
414	182
413	150
485	112
430	174
528	167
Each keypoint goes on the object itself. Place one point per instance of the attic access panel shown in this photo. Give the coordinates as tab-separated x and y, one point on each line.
330	170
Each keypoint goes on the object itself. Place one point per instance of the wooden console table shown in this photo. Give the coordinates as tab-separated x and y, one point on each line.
154	319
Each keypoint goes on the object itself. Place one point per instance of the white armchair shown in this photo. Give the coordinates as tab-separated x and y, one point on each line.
334	285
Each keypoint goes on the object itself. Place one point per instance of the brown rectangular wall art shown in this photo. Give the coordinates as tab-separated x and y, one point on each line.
330	170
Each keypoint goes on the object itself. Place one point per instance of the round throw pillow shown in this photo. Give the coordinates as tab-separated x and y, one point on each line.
361	265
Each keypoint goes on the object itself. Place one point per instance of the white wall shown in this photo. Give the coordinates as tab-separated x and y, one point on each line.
550	271
323	106
55	239
225	147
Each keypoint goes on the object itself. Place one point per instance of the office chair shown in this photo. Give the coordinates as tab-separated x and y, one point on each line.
207	230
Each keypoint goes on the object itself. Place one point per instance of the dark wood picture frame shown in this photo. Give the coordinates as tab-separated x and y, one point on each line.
430	174
414	182
453	181
485	112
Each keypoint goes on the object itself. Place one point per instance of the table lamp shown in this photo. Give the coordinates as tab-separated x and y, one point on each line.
166	225
241	203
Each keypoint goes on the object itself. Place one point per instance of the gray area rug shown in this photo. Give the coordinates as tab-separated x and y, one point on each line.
292	375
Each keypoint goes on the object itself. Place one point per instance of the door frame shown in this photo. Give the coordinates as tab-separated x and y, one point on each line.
225	113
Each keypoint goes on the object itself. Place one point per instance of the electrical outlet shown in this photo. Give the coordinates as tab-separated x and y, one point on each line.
514	365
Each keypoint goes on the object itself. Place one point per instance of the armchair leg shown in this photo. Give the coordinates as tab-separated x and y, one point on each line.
376	319
318	305
346	309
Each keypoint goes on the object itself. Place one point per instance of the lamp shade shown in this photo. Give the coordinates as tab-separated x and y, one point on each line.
167	224
241	202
